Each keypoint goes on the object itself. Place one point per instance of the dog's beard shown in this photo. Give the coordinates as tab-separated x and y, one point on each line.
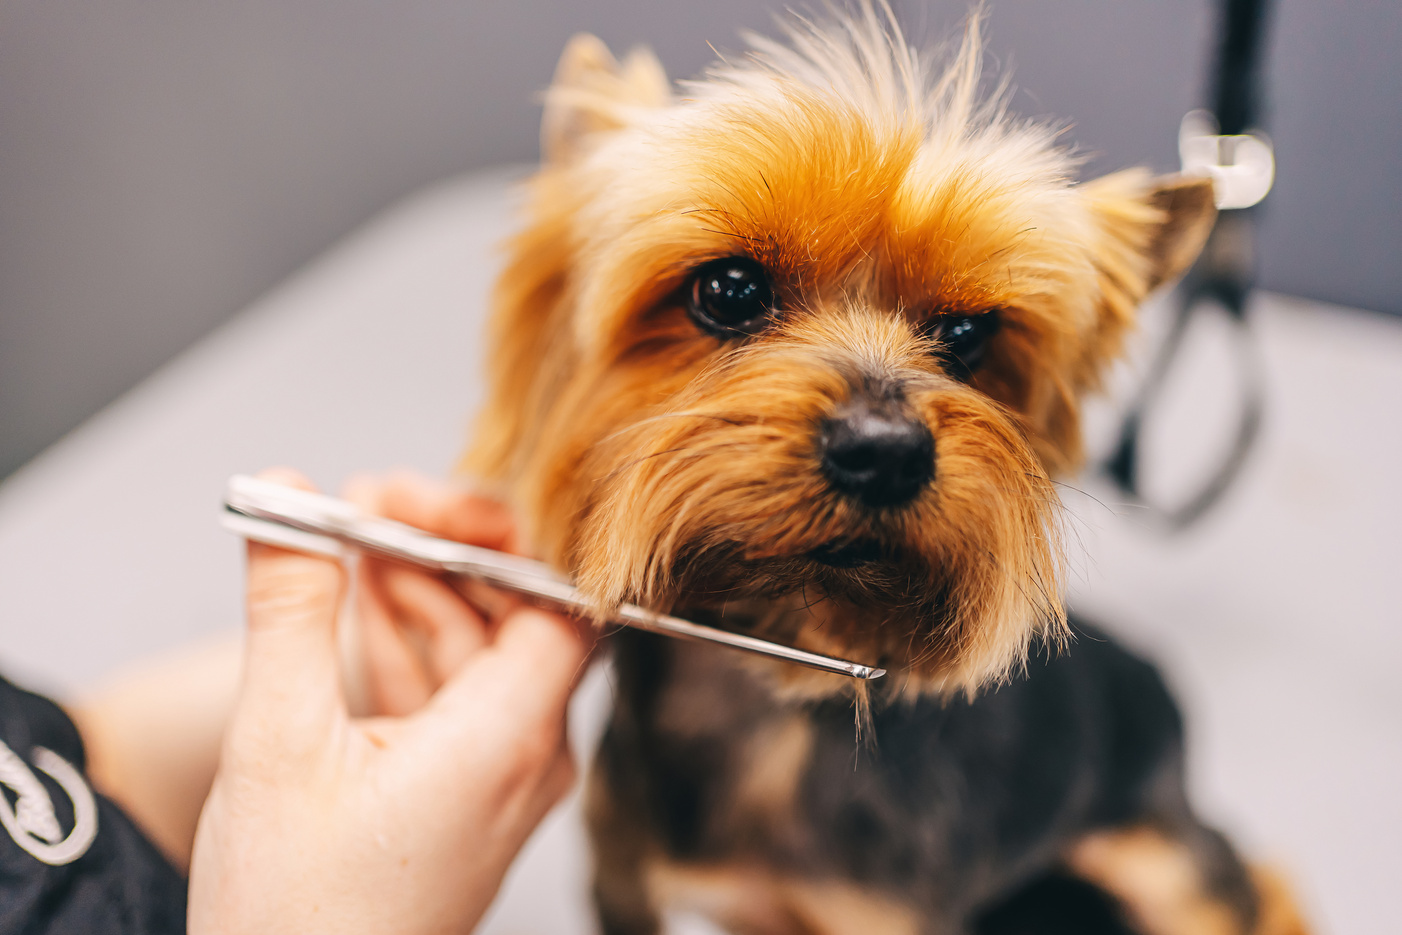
715	505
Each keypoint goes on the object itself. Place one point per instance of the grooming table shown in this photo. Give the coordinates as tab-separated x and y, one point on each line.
1276	619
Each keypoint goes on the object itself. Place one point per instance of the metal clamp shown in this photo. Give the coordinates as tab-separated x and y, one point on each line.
1242	166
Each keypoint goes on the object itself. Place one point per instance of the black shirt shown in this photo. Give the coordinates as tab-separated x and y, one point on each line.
70	861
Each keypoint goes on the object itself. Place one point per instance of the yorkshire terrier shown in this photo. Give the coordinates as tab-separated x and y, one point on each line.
797	351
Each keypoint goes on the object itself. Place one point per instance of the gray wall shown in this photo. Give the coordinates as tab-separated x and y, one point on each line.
162	163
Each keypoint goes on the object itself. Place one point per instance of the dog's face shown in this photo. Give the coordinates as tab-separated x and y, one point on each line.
798	352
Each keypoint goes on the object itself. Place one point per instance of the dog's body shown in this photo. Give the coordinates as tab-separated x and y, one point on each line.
707	795
798	354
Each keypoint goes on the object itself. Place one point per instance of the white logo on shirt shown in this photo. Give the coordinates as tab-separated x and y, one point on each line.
32	822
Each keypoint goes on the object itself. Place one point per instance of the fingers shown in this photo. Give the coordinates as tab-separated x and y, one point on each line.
528	673
509	705
291	667
531	786
436	507
449	630
395	673
550	648
563	773
519	661
419	629
416	631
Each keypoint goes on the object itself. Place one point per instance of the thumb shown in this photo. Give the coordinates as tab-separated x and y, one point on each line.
526	677
291	670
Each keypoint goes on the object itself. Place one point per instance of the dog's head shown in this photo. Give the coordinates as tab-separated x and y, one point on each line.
797	349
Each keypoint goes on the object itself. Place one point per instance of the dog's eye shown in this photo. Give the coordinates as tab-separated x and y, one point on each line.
963	340
731	297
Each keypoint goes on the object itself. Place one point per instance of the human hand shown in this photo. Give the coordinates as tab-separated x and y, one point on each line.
320	822
412	630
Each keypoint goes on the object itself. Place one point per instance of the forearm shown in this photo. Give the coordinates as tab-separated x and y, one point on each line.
152	735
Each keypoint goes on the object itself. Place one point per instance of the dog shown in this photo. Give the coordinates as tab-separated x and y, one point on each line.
797	350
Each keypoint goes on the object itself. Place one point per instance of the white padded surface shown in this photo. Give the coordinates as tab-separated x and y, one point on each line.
1276	619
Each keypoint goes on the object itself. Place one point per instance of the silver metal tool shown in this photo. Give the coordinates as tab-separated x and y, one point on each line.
309	522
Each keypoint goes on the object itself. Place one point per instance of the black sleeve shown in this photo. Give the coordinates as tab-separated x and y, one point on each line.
70	861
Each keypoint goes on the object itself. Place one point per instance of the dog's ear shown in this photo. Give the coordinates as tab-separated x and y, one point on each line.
592	91
1146	231
1189	213
1154	228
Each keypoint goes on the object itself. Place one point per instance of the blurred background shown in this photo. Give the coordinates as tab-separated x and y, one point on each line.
163	163
233	235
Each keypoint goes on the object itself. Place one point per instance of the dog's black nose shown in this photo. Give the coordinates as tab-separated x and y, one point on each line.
877	453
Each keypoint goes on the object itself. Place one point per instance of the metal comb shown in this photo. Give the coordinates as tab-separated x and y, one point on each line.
310	522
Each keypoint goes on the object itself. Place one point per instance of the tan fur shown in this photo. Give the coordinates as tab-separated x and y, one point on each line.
765	799
757	901
660	465
1161	885
1278	913
1156	879
593	92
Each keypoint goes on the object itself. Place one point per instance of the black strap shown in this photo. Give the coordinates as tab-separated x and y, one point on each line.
1222	280
1237	92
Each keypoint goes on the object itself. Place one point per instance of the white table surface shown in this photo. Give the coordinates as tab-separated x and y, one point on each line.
1276	619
